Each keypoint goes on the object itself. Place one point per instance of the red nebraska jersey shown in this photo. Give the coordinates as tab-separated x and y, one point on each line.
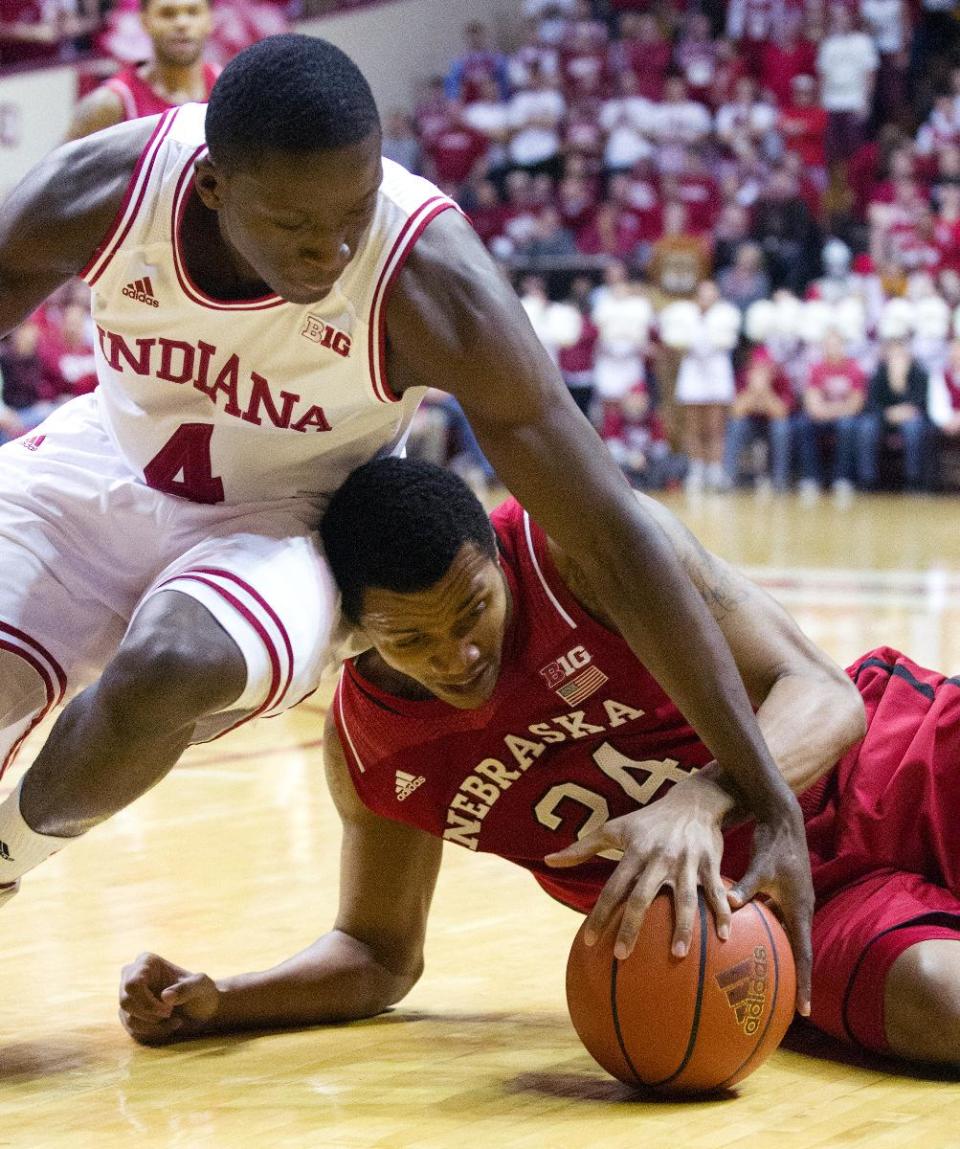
576	733
139	99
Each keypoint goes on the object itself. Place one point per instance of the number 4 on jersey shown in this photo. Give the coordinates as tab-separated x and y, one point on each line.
183	466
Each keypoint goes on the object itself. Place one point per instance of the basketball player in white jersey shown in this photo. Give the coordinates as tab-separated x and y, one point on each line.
269	313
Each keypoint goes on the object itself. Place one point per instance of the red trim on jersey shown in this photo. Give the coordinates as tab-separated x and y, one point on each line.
409	234
144	167
120	88
267	610
54	696
262	634
192	290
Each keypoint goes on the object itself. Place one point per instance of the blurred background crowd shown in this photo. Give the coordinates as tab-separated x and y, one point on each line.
735	226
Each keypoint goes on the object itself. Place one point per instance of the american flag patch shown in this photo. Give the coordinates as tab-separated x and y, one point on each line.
581	687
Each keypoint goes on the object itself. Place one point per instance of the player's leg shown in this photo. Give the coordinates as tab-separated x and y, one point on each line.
922	1002
270	589
121	735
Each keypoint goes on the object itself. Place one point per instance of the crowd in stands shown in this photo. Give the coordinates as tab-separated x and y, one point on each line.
787	170
736	227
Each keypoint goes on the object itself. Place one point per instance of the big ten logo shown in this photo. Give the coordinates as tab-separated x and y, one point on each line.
745	985
561	668
11	123
326	335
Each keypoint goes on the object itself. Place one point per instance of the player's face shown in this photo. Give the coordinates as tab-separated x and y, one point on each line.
294	222
448	638
178	28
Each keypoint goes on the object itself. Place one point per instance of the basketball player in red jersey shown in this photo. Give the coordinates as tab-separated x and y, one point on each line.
499	709
177	74
271	300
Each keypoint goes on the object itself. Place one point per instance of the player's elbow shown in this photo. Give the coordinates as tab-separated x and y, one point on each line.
378	989
846	707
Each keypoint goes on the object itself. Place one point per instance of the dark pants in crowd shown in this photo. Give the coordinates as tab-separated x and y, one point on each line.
742	432
810	441
915	437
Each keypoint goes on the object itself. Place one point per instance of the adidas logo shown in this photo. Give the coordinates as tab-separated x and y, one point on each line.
405	784
142	291
745	985
5	852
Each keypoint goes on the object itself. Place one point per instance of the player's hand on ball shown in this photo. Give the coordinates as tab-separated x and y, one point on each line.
780	866
160	1000
676	842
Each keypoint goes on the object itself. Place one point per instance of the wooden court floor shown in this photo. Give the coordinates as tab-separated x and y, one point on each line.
231	864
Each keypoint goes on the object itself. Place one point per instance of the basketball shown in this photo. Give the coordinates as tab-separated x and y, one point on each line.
684	1025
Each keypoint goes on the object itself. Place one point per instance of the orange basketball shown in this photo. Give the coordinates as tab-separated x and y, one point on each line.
684	1025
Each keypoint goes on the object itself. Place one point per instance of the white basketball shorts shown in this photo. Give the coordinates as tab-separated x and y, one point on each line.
84	543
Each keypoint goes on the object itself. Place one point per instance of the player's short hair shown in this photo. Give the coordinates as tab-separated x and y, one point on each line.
292	93
398	524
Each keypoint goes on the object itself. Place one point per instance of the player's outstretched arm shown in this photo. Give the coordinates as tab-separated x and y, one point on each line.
54	219
809	712
454	323
367	962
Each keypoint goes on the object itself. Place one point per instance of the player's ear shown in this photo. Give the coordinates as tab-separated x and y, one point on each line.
208	180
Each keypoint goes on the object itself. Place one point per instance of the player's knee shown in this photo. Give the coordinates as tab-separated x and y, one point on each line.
171	678
22	690
922	1003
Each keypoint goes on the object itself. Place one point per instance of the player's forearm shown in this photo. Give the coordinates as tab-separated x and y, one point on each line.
336	979
670	628
808	724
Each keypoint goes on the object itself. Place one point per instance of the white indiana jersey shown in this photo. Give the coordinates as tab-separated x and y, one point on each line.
247	401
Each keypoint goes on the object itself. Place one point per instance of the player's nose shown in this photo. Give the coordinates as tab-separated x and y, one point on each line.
457	660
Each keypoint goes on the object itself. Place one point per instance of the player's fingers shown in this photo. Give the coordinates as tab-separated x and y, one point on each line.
634	912
615	891
798	925
741	892
685	905
184	990
138	998
149	1033
580	851
716	894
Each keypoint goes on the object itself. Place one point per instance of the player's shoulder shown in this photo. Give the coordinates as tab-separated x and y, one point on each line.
67	202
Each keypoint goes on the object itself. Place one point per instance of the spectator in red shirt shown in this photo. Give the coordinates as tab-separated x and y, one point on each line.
762	407
612	233
696	56
576	201
33	31
728	72
487	213
781	61
803	123
643	50
576	361
478	62
832	401
583	64
456	153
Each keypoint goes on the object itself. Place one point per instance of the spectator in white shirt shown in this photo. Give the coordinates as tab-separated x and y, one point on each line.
747	116
678	122
628	121
847	63
535	117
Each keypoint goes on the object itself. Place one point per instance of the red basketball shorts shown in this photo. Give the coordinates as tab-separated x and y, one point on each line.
883	830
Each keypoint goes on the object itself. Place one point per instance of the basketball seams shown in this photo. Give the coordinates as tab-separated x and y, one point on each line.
698	1005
